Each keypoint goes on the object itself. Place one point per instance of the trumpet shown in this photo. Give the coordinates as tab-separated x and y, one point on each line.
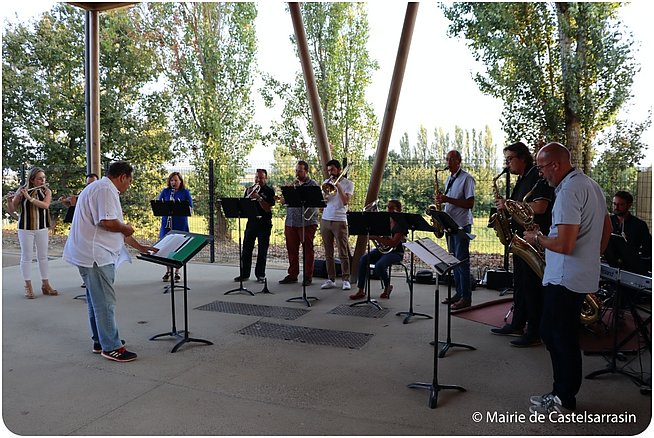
329	186
254	188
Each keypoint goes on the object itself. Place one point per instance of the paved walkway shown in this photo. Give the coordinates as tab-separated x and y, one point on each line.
249	385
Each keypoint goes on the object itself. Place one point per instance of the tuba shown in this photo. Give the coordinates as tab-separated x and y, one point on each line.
329	186
439	231
500	219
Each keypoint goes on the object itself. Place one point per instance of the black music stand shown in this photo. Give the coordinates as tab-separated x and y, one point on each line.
443	263
178	258
239	208
413	222
450	227
170	208
368	223
617	254
303	197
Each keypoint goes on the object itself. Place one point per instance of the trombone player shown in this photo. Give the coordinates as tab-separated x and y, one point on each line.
300	228
338	191
527	289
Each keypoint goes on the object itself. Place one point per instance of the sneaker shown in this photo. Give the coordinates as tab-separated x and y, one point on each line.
120	355
288	280
97	348
241	278
346	285
507	330
540	400
83	285
261	279
328	285
526	341
549	405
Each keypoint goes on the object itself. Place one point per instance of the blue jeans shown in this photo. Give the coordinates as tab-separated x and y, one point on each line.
101	301
381	261
559	329
460	247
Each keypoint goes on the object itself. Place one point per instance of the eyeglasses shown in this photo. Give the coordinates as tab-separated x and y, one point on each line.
507	160
540	168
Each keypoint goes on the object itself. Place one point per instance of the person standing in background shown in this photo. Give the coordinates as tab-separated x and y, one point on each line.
174	191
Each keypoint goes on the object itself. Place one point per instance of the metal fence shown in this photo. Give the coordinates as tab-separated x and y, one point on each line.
412	182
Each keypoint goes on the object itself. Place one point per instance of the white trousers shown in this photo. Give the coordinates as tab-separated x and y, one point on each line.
27	239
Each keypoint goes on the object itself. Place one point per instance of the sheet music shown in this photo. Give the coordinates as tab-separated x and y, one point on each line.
432	254
170	243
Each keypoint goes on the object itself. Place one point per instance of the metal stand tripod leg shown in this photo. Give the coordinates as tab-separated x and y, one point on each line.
173	332
368	300
434	387
410	313
447	344
240	264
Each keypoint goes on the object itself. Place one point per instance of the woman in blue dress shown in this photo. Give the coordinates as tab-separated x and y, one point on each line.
174	192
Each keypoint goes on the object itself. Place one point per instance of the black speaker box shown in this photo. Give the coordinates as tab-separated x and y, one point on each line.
320	268
498	279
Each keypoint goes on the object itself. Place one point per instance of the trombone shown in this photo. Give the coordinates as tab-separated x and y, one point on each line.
329	186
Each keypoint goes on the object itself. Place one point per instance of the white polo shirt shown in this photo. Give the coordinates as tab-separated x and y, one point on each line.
89	242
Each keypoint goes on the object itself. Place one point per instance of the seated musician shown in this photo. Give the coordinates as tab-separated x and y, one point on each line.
383	260
634	231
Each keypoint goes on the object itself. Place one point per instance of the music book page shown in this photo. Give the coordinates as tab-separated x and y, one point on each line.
439	252
169	244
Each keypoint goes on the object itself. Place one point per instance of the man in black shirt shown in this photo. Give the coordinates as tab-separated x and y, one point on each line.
258	228
527	288
634	231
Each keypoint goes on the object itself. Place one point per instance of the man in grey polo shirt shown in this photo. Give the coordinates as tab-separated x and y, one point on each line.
579	234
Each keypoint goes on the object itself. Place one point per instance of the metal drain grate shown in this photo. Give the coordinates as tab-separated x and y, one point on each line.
364	311
288	313
307	335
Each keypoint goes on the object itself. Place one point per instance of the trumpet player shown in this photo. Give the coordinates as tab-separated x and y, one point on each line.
527	290
33	202
258	228
300	229
333	225
459	198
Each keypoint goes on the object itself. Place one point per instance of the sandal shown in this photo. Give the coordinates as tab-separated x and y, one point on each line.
387	292
166	277
48	290
29	293
177	278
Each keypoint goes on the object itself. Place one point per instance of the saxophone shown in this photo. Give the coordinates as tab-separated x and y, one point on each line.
523	214
439	231
500	219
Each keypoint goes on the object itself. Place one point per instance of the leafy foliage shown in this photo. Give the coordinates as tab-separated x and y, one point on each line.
563	70
337	34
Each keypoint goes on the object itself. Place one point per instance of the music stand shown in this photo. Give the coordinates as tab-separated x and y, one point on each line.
303	197
170	209
239	208
451	227
368	223
178	258
412	222
443	263
617	254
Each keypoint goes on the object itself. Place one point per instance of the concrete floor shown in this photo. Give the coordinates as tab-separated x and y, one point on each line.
243	385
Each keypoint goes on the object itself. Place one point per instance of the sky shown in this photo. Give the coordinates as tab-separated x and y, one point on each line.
438	89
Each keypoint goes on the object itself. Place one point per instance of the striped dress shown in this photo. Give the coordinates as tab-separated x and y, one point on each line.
33	217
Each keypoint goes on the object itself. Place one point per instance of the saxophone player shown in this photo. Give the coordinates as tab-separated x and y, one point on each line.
527	289
459	198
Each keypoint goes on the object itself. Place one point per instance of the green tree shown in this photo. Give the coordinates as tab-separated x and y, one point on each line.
337	34
421	150
206	53
563	70
43	101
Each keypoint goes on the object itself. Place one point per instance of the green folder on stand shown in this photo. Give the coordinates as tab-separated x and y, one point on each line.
184	252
